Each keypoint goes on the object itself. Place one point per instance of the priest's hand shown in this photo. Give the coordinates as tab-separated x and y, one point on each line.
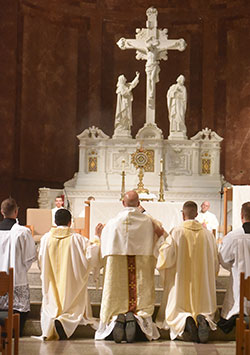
141	209
159	230
98	229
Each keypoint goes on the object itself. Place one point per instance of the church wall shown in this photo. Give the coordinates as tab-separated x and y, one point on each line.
60	63
8	97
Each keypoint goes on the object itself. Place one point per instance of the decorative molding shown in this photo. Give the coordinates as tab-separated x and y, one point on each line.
92	133
206	135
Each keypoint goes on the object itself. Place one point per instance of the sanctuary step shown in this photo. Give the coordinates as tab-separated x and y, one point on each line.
32	326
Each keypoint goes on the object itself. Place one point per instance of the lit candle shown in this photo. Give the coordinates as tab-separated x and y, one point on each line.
123	164
161	162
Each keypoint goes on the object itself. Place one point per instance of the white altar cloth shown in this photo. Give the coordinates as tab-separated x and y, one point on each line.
168	213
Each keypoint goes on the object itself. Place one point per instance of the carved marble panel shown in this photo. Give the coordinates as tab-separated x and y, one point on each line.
178	160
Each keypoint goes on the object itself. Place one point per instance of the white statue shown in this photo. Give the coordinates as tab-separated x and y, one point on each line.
123	114
152	69
152	45
177	104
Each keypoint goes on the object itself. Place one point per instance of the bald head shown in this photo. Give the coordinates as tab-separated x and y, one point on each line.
189	210
205	206
131	199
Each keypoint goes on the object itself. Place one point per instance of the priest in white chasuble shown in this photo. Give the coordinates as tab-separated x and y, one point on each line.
188	260
17	250
129	248
66	259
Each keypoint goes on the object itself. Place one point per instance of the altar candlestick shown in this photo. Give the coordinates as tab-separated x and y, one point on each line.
123	180
123	164
161	192
161	162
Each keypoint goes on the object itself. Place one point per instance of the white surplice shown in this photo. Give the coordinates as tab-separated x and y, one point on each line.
188	261
66	260
209	219
130	233
234	255
17	250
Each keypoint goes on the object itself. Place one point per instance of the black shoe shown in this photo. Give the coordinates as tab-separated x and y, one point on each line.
191	329
130	329
119	328
60	331
203	328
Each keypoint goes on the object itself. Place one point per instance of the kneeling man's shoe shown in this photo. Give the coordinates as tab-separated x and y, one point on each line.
203	328
60	331
130	329
118	331
191	329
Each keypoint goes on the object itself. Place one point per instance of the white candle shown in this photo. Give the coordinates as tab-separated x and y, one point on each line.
161	162
123	164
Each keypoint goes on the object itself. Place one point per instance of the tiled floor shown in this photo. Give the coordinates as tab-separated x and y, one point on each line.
30	346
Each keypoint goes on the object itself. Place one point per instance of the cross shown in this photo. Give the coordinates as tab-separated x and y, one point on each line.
127	222
152	45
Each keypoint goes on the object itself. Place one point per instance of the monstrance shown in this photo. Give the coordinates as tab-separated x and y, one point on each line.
141	159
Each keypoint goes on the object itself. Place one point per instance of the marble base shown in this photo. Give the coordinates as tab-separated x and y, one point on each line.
177	136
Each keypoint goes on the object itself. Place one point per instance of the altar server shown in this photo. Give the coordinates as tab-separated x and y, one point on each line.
188	259
207	218
66	259
129	247
234	255
58	205
17	250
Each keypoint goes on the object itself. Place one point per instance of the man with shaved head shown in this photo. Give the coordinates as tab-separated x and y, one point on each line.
129	249
189	263
207	218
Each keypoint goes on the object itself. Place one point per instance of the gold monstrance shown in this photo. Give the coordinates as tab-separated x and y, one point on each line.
140	159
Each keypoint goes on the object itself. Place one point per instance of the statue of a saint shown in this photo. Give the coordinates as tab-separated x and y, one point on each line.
123	114
177	104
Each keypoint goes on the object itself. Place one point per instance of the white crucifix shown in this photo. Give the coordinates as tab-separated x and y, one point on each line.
152	45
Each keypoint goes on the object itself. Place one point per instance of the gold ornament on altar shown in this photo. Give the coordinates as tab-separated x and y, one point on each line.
142	160
161	192
123	180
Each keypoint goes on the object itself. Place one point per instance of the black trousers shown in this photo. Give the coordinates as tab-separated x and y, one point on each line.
23	317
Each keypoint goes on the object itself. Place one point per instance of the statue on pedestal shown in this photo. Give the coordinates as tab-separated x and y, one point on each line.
123	114
177	104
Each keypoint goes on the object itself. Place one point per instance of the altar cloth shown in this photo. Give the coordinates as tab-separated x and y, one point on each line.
168	213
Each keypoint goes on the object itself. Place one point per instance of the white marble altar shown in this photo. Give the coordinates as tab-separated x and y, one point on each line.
191	167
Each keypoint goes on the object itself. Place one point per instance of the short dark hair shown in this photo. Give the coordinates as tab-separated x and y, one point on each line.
190	209
245	210
62	217
8	206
